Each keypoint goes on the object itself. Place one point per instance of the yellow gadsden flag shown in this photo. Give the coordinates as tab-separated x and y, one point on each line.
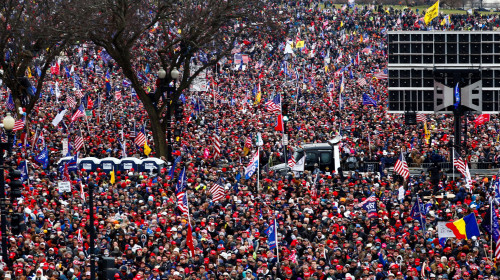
431	13
112	174
147	149
299	45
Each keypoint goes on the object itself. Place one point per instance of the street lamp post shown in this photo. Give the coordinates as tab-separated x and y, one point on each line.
174	74
8	125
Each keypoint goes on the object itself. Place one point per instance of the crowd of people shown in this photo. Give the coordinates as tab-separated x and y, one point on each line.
321	233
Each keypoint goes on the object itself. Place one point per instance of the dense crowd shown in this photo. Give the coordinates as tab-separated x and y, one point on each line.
321	233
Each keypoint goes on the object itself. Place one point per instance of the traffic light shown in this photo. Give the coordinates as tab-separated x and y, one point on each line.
106	268
179	110
285	110
15	184
177	134
16	223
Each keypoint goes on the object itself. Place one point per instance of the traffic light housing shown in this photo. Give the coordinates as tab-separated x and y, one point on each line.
177	134
285	110
16	223
15	184
179	110
106	268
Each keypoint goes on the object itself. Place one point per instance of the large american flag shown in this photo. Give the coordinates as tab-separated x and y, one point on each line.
78	143
217	190
274	105
459	163
362	82
216	145
71	102
10	103
79	93
140	138
182	203
381	75
421	117
78	114
401	167
18	125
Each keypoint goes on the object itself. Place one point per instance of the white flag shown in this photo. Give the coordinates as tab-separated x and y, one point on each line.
259	141
59	117
299	166
444	231
401	194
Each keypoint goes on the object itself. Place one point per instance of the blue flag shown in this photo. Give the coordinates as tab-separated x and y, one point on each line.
367	100
172	169
23	167
457	96
370	205
418	211
43	158
271	235
181	181
73	163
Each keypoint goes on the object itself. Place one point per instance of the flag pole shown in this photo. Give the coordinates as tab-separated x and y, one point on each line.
258	168
85	149
277	244
491	224
27	171
453	162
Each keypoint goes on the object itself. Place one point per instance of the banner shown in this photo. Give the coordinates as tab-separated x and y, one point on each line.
444	231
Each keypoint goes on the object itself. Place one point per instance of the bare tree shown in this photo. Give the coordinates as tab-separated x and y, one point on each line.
174	34
32	34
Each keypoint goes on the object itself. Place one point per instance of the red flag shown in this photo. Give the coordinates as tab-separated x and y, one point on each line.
279	123
90	103
482	119
189	240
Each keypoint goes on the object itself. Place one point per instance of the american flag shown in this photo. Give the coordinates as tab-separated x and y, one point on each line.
71	102
381	75
140	138
78	114
401	167
10	103
19	124
291	162
217	190
274	105
182	202
34	165
421	117
216	145
459	163
118	95
362	82
248	142
78	143
79	93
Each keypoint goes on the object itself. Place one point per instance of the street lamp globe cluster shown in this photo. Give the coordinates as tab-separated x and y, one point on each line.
8	122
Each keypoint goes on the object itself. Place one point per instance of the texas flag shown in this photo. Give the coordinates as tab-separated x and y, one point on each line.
279	123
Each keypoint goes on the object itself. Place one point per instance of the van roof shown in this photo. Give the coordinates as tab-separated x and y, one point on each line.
317	146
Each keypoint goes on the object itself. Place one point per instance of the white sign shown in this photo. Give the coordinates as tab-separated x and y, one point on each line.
401	194
149	166
444	231
285	139
107	166
64	186
64	146
87	166
127	165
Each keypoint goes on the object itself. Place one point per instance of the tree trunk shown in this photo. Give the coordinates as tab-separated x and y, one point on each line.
159	137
